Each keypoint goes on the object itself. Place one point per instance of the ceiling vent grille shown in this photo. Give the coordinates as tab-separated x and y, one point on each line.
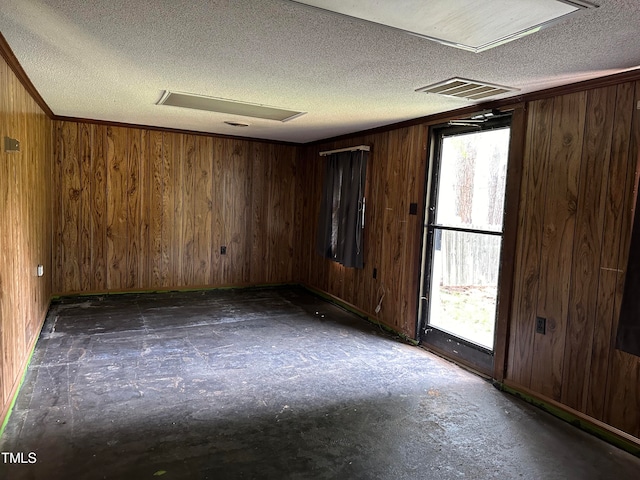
229	107
467	89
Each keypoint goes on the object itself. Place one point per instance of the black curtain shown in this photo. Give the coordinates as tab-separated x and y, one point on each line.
628	335
341	221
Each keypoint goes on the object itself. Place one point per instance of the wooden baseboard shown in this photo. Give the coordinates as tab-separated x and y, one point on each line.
589	424
183	288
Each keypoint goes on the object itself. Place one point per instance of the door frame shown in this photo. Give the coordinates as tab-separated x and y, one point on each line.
507	256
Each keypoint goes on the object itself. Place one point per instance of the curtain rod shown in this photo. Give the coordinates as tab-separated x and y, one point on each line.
365	148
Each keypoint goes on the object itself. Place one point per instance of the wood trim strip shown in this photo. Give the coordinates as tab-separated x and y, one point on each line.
14	65
172	130
509	240
589	424
173	288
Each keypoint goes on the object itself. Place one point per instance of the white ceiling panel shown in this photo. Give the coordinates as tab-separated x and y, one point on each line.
467	24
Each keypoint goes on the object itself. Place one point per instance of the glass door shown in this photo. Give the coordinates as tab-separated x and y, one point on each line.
463	234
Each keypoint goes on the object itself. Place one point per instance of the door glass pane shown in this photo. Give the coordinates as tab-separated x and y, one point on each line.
472	180
464	281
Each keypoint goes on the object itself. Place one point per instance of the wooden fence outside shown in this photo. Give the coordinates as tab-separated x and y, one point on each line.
469	258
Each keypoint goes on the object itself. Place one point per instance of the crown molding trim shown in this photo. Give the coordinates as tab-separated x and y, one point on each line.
14	65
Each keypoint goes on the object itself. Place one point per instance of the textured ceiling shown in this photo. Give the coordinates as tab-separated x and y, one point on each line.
112	60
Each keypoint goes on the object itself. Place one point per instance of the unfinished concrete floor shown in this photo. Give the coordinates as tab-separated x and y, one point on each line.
273	384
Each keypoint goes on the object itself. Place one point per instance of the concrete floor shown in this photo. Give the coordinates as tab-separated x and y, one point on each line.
273	384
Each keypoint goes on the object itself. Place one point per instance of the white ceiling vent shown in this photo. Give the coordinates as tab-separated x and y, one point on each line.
467	89
229	107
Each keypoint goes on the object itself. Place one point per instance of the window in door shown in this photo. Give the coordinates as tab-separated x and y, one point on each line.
464	238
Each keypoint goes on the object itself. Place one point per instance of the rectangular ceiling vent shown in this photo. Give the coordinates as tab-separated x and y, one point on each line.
470	25
230	107
467	89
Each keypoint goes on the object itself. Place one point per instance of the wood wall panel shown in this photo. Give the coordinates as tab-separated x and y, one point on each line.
218	232
565	153
116	205
168	256
243	191
133	210
394	227
534	183
375	218
187	212
259	212
233	211
587	246
156	207
178	243
177	179
25	229
98	208
202	209
85	240
146	173
508	253
71	211
282	196
146	209
56	210
579	175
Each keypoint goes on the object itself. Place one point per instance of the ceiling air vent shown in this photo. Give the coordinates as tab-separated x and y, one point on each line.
229	107
467	89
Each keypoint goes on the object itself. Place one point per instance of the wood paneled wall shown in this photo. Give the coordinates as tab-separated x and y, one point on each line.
145	209
576	204
395	178
25	229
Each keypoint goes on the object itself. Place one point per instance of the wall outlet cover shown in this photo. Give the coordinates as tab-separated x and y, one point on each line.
541	325
11	145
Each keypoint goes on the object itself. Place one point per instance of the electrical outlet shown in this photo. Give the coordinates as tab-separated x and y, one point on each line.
223	250
541	325
11	145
